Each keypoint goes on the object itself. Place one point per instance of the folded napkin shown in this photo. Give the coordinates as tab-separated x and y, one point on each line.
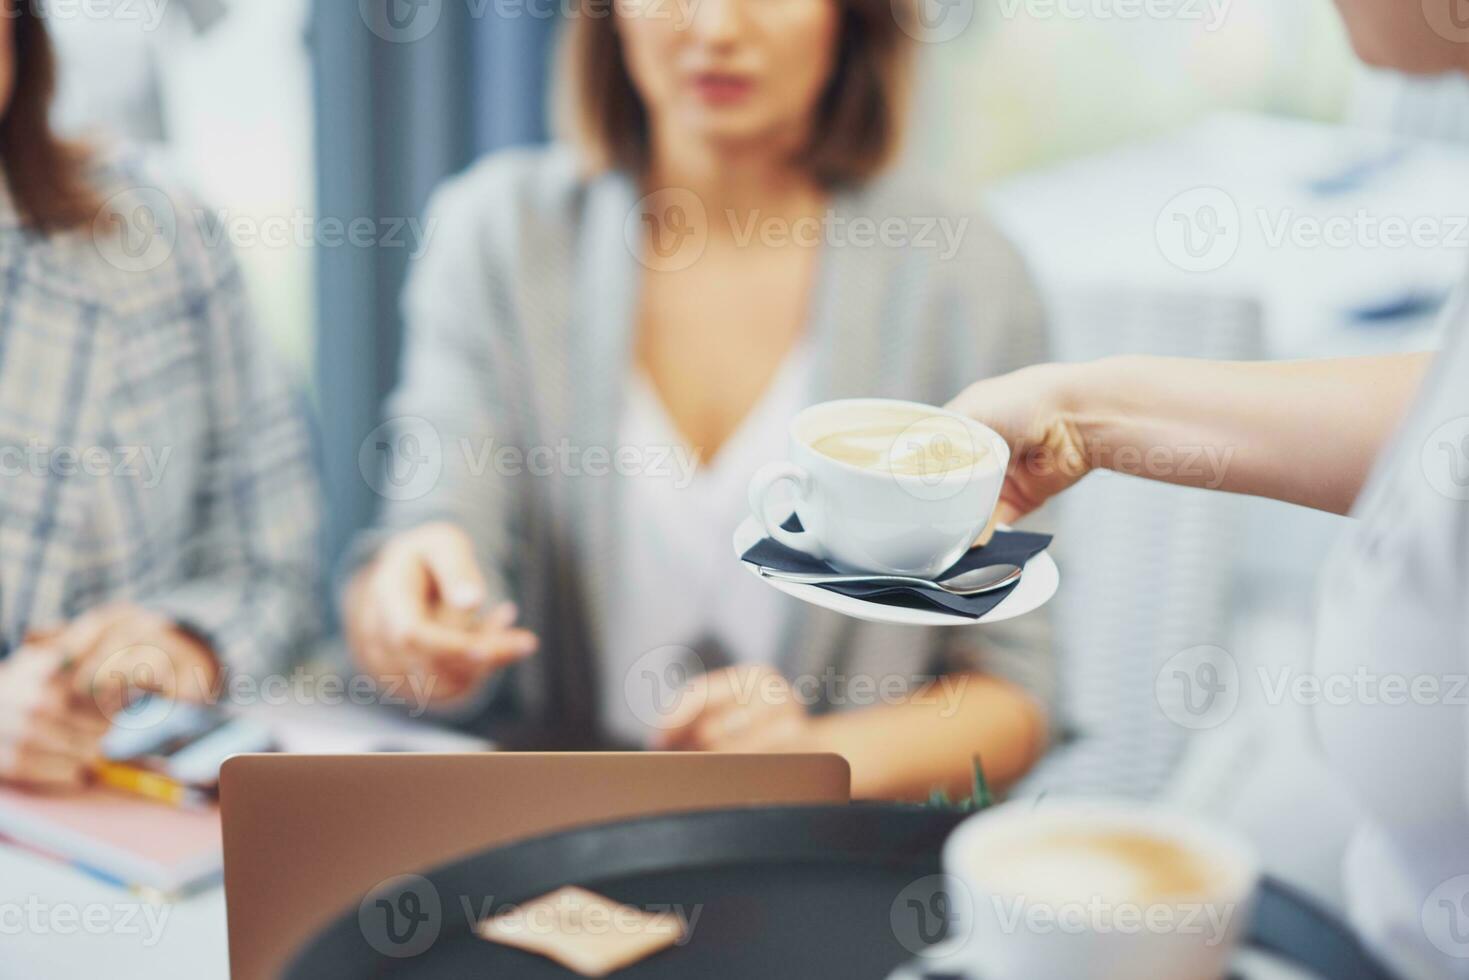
1005	548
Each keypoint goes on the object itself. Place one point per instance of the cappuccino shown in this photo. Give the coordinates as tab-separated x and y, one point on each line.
905	443
1117	865
1092	890
895	488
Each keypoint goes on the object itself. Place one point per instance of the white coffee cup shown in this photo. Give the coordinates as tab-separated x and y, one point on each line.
915	521
1037	902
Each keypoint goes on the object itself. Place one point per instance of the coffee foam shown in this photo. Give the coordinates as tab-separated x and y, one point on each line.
1113	866
904	442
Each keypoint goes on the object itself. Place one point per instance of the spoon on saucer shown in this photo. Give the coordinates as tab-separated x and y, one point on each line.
974	582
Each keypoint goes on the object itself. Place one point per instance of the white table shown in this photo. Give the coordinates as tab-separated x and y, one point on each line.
57	922
137	939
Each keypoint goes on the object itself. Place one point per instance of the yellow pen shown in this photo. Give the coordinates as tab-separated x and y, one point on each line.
151	785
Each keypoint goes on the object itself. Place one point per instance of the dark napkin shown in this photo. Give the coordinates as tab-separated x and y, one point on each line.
1005	548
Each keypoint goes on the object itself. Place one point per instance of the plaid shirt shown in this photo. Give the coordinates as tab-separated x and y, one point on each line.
149	450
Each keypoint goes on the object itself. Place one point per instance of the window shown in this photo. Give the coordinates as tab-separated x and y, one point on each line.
224	90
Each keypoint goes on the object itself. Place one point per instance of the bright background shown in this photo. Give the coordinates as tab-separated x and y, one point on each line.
1010	93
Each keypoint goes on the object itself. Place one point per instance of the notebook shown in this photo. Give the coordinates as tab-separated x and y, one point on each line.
126	840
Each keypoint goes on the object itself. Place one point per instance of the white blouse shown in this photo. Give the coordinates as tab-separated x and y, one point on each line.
682	603
1393	647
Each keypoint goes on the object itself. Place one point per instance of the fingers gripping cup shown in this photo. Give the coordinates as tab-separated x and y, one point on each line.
891	487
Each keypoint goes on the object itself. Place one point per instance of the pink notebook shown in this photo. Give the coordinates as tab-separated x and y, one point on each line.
130	840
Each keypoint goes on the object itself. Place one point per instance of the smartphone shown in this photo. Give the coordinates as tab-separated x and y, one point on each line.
185	742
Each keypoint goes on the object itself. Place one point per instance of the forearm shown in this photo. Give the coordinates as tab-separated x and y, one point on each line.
1306	432
930	741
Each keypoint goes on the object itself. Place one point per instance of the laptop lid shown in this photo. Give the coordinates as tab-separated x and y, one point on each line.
305	835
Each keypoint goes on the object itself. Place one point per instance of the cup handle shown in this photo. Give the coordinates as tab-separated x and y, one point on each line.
766	480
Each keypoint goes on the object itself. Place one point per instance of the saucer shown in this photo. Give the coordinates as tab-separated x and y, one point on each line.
1037	586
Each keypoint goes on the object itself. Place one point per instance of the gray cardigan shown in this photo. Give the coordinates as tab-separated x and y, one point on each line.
519	325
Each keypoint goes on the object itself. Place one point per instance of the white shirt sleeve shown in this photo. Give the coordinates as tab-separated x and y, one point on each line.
1392	656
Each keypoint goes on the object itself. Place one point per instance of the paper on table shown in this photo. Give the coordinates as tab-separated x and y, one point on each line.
131	840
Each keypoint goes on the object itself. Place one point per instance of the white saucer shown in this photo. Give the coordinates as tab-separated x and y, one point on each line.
1037	585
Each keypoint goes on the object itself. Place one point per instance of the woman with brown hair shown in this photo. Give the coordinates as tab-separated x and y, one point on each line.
157	500
606	339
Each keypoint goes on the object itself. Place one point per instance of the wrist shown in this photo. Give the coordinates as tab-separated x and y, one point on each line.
1095	401
199	673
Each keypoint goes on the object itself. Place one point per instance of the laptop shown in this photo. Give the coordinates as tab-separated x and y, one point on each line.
305	837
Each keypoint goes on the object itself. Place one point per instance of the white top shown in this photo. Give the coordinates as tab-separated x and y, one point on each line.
1393	643
679	596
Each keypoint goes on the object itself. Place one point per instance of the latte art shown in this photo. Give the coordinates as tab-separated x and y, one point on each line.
908	444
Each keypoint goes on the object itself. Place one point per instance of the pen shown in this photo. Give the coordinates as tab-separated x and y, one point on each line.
152	785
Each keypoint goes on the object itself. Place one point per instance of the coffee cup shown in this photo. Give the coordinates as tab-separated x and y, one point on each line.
1079	890
883	486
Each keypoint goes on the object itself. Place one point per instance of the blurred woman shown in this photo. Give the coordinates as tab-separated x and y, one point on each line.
606	340
158	506
1386	439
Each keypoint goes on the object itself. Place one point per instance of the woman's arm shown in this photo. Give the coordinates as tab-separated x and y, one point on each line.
430	586
1306	432
254	596
900	750
931	740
